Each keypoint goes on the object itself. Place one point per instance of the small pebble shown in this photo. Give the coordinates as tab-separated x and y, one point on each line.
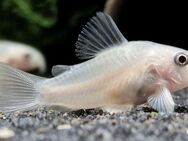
1	116
6	133
64	126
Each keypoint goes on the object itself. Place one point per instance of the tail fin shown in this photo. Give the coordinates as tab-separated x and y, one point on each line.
18	89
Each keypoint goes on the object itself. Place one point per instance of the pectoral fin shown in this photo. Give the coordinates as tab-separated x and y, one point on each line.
162	101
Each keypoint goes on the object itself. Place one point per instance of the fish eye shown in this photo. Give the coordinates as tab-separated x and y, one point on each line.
27	57
181	59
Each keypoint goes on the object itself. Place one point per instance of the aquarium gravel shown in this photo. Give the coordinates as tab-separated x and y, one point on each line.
142	124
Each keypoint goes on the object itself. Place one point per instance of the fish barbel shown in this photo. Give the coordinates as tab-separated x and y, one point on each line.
117	75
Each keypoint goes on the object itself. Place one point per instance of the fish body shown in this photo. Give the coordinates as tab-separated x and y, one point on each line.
21	56
115	77
118	74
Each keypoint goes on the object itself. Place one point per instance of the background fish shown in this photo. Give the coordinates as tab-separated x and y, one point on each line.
119	74
22	56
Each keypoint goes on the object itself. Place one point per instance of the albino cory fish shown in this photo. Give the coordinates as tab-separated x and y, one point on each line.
21	56
118	74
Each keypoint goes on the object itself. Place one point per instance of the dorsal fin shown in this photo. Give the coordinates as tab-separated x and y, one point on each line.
99	33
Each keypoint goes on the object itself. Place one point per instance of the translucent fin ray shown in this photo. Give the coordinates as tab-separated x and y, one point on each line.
99	33
162	101
18	89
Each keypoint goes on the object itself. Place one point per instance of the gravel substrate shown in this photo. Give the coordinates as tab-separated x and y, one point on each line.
143	124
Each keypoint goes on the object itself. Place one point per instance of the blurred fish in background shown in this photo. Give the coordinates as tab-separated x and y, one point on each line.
22	56
22	33
113	8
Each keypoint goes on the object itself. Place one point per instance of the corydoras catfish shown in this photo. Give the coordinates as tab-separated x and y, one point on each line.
22	56
117	74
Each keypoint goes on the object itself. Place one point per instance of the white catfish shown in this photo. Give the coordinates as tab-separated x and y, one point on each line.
119	73
21	56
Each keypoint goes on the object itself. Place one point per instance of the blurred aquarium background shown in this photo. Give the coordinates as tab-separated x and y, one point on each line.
53	26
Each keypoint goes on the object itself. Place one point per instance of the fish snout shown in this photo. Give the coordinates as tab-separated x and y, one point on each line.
36	62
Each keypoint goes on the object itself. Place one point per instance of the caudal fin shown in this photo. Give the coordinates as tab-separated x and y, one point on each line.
18	90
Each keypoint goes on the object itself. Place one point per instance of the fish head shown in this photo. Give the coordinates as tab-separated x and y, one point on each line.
180	62
171	64
35	60
26	58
